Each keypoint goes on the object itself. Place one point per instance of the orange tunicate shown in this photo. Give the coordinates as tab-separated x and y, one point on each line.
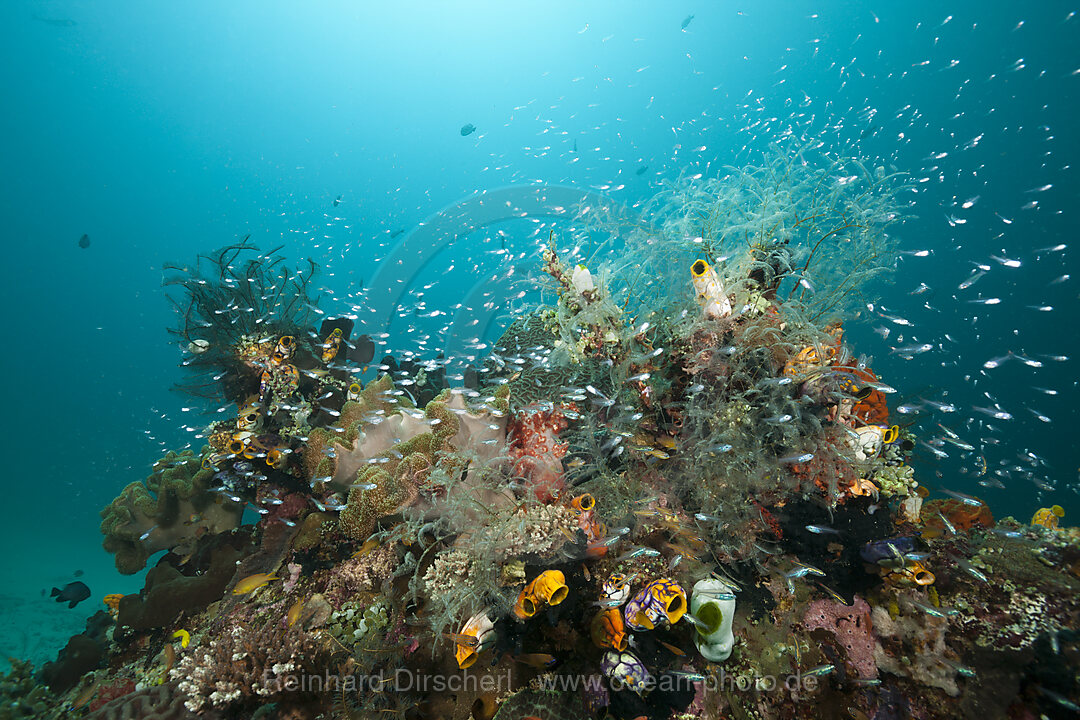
873	410
962	516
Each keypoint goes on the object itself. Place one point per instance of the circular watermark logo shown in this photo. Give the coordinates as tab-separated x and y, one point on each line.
451	236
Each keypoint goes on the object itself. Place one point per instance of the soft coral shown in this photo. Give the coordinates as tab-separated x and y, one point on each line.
537	450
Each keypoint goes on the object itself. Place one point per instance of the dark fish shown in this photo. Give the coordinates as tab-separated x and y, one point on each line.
396	233
877	550
641	170
363	350
78	573
537	660
73	593
337	200
575	147
467	129
864	393
56	22
84	241
687	21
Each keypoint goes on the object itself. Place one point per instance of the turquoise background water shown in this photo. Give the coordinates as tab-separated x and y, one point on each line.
162	130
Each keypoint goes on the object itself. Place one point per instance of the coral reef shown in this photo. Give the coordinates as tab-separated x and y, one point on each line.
669	490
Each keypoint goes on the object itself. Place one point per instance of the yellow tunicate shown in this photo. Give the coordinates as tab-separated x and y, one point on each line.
1048	517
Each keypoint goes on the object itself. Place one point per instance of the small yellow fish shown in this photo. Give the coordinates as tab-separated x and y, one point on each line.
185	637
85	695
294	612
536	660
253	582
367	547
169	653
673	649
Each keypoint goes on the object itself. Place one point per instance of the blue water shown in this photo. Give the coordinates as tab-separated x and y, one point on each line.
162	130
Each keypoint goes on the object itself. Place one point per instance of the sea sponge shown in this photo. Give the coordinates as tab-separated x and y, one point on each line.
168	592
852	628
913	645
167	511
962	516
873	409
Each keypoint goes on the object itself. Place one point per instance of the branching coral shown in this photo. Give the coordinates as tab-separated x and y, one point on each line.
21	695
167	511
364	573
244	663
